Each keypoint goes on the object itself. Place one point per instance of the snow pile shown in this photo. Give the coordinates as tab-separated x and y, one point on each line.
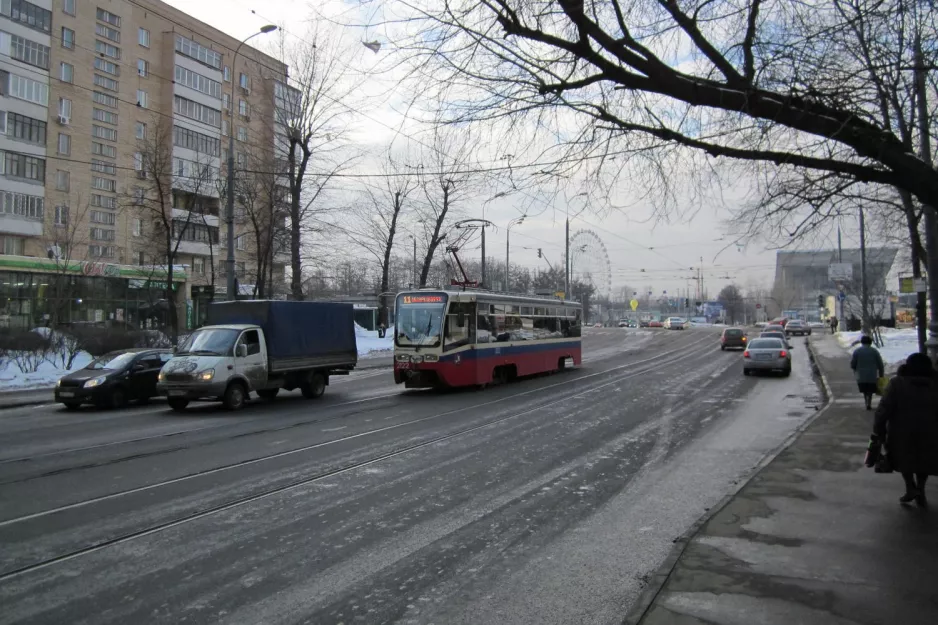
898	343
45	376
370	346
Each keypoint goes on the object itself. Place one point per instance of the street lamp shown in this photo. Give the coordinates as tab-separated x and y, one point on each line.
517	221
229	210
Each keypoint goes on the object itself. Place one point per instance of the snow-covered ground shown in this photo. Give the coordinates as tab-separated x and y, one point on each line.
45	376
898	343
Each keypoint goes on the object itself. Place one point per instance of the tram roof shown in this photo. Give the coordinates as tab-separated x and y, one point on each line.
491	296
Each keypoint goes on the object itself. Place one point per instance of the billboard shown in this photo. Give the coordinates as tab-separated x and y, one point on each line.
840	272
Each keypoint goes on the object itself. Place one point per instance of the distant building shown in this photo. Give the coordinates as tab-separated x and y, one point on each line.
802	277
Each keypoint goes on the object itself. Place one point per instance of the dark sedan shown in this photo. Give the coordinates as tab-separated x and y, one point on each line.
797	326
733	338
113	379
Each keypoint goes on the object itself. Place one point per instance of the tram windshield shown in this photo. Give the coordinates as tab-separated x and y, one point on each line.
419	319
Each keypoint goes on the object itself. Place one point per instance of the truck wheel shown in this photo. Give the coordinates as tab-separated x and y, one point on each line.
314	386
268	393
178	405
235	396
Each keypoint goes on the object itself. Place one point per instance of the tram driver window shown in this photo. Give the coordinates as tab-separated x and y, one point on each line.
460	324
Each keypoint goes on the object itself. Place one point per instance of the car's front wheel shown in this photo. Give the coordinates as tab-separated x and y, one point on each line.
72	405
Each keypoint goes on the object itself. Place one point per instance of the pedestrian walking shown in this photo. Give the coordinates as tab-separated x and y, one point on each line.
867	365
907	419
833	323
381	330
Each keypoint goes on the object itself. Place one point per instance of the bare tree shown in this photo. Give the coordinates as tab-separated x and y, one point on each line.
754	81
66	242
311	124
376	222
163	184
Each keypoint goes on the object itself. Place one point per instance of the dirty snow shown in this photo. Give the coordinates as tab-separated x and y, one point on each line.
370	346
45	376
899	343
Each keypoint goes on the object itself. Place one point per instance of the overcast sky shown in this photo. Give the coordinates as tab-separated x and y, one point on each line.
634	242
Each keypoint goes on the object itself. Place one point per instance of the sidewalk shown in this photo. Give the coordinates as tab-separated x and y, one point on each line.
34	397
814	538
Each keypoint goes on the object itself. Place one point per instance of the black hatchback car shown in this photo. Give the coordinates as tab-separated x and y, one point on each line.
113	379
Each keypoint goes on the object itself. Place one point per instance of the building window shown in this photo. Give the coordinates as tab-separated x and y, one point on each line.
227	74
25	128
141	258
104	201
23	166
140	130
108	17
141	98
243	108
139	193
143	68
22	205
65	108
138	227
101	251
100	115
242	133
103	217
12	246
104	99
68	6
239	242
226	102
197	81
138	164
108	134
103	184
198	265
29	52
196	141
66	72
61	215
243	81
224	127
61	180
108	33
103	167
102	234
108	67
200	53
101	149
196	111
28	14
65	144
25	88
106	83
102	47
68	38
143	37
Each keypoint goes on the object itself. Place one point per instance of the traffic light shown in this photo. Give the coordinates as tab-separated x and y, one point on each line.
686	302
539	252
820	301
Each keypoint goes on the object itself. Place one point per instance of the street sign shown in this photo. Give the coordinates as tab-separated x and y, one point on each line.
840	272
634	304
913	285
841	296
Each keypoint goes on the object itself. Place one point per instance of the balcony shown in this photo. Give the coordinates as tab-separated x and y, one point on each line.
199	248
18	224
182	215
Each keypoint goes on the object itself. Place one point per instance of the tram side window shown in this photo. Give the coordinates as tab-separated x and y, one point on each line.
486	328
460	334
575	324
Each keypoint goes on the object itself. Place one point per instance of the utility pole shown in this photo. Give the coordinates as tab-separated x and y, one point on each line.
840	259
566	271
483	257
864	291
931	218
414	271
511	224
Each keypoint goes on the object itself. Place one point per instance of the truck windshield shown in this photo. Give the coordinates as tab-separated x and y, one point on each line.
209	342
419	320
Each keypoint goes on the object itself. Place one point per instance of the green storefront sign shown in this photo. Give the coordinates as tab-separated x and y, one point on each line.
87	268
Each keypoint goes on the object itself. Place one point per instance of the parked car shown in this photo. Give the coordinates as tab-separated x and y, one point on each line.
767	354
644	323
623	323
113	379
797	326
675	323
655	324
733	338
773	327
633	323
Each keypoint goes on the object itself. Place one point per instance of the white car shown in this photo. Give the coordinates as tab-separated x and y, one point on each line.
675	323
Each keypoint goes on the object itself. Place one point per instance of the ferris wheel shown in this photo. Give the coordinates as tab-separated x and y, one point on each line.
589	262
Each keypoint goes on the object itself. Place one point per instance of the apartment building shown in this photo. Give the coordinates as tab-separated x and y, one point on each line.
114	123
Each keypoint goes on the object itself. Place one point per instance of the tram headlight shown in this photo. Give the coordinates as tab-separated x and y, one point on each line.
431	358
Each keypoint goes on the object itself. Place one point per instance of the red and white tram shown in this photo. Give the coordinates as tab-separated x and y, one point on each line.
473	337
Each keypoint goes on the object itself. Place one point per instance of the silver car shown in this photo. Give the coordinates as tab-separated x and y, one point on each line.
767	354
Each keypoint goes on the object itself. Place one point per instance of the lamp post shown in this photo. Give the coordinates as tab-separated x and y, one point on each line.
517	221
229	209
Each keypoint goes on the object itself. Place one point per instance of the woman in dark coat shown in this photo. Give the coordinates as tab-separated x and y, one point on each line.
907	419
868	367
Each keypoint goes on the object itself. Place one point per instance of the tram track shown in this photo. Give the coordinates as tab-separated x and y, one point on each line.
650	365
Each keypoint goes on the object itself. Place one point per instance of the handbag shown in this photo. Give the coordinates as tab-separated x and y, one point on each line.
881	385
876	458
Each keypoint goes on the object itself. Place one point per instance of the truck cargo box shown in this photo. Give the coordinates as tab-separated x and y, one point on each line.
299	334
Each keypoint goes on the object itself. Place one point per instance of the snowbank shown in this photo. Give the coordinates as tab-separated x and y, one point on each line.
45	376
370	346
898	343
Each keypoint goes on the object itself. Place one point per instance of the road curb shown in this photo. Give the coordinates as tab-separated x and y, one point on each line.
663	573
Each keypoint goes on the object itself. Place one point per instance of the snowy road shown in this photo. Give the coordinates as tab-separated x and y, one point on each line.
545	501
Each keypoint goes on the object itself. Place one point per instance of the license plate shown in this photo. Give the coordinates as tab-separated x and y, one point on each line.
765	357
176	393
66	394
